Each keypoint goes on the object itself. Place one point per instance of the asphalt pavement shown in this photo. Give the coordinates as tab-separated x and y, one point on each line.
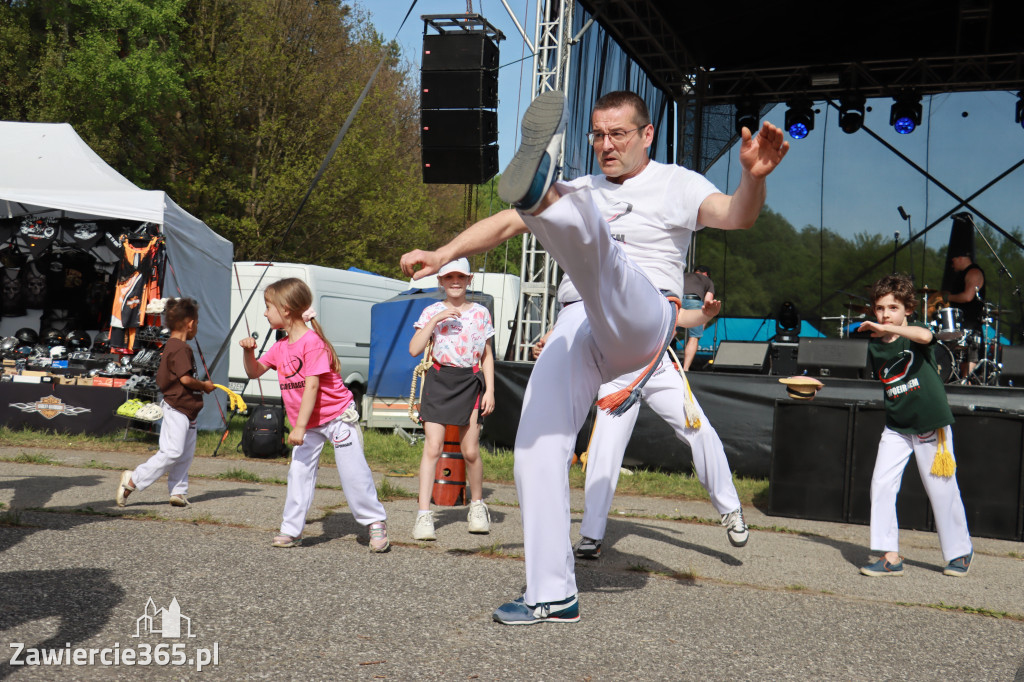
670	598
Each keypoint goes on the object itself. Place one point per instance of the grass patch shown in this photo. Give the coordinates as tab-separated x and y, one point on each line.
12	518
93	464
29	458
796	587
942	606
387	491
493	550
1016	555
240	475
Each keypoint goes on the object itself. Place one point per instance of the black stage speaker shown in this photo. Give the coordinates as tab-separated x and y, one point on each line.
741	356
458	128
1013	365
461	51
843	358
458	90
989	453
912	507
783	359
459	165
807	474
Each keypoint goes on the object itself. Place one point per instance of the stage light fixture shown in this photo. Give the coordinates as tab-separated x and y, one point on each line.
748	115
851	112
905	115
1019	118
799	118
787	323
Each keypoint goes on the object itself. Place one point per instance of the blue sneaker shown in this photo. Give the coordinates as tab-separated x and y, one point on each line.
959	566
532	170
518	612
882	567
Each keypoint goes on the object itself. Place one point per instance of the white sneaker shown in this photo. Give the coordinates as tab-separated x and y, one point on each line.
479	518
735	527
424	528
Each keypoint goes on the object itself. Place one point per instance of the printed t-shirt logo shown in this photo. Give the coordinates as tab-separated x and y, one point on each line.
897	368
296	362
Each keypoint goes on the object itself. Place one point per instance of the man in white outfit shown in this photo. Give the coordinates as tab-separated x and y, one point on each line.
622	321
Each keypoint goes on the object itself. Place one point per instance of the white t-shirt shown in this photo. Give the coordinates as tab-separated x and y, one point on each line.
458	341
653	215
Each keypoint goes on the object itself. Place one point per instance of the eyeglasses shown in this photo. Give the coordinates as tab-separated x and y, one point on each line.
617	136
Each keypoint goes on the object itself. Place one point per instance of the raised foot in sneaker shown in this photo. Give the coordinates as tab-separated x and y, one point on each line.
882	567
479	517
179	501
379	537
530	174
518	612
959	566
124	489
287	541
588	548
423	529
736	527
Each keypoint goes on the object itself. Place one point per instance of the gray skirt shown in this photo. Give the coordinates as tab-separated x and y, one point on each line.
450	394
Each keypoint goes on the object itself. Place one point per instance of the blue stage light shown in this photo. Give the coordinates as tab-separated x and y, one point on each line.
798	131
905	115
799	118
904	125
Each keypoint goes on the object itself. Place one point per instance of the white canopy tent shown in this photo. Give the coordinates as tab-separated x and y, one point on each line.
46	168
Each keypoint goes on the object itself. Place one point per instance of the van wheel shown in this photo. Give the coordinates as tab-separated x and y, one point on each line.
357	396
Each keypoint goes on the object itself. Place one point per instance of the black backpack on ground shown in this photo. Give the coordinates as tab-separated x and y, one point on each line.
264	432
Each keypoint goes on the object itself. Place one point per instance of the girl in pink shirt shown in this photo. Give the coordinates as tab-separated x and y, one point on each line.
458	388
320	409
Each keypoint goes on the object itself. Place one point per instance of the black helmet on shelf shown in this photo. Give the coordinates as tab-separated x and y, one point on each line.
102	342
9	343
27	336
52	337
79	340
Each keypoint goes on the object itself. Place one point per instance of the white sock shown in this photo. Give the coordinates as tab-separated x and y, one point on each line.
421	512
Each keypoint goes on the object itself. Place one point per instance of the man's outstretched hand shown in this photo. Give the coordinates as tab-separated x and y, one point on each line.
428	261
761	154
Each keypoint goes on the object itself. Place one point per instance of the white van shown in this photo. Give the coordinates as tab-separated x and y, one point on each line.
342	300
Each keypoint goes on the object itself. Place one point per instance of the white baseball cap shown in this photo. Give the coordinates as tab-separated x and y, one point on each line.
458	265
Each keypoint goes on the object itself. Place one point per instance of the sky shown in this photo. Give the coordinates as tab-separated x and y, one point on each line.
851	184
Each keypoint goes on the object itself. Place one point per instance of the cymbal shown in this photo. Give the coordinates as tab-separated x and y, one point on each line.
856	308
927	290
996	312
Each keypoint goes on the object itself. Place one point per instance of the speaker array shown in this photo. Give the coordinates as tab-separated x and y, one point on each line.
458	95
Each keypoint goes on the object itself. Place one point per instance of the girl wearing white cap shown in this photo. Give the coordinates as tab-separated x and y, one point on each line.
457	389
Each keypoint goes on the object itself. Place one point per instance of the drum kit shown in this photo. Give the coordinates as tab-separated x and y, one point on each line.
956	340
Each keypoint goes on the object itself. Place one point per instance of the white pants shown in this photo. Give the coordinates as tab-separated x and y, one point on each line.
894	452
620	325
665	393
177	448
356	478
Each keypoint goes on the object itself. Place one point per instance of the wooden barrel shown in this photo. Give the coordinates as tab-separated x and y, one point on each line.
450	476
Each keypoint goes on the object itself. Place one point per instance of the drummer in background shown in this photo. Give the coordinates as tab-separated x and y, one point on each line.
967	292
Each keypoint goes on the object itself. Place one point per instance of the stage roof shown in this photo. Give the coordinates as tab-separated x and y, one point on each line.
773	51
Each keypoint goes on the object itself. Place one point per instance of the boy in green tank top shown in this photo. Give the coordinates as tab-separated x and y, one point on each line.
917	421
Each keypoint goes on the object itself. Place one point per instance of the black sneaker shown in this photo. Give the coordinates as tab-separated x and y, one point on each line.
588	548
532	170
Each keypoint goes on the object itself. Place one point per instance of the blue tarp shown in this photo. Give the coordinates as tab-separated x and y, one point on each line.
746	329
391	330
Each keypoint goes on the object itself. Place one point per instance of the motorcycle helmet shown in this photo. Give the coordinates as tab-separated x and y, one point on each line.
52	337
79	340
27	336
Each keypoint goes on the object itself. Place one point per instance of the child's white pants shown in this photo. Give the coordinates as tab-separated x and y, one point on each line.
894	450
620	325
177	448
665	393
356	478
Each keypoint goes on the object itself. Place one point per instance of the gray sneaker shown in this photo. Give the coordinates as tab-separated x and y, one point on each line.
735	527
379	537
479	518
424	527
532	170
588	548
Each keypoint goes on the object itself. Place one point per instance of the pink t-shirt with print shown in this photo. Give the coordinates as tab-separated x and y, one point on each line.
304	358
459	342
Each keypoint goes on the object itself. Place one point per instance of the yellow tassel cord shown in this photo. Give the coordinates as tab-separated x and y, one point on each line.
590	443
417	374
943	465
689	405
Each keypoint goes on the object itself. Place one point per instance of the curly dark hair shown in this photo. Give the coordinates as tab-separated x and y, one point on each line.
178	311
900	286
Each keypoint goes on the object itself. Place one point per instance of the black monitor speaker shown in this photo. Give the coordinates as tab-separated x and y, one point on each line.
741	356
842	358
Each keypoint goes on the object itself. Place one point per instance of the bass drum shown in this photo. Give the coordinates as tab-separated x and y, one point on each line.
945	361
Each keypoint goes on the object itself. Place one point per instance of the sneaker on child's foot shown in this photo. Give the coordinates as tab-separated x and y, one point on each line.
179	501
379	537
959	566
287	541
124	488
479	517
424	528
735	527
588	548
882	567
532	170
518	612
